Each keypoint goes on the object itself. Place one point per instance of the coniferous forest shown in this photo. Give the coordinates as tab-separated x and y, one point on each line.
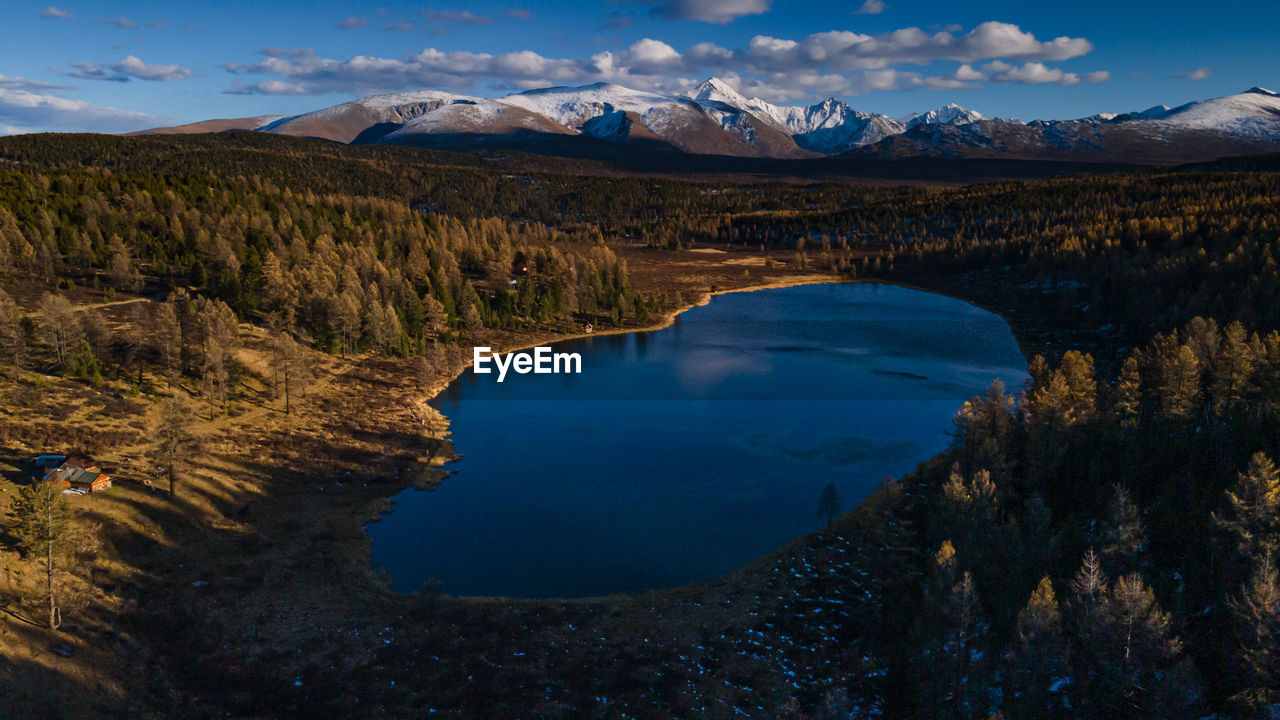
1103	543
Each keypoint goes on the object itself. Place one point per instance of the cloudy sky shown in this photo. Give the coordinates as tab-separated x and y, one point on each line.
122	66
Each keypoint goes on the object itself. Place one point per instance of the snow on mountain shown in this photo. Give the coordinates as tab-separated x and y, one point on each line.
949	114
353	121
475	117
1253	113
715	90
828	127
714	118
832	127
574	106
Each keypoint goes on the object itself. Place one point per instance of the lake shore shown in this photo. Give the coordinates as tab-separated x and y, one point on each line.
667	320
937	326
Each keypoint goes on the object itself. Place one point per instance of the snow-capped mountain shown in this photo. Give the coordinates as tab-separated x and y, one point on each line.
949	114
715	119
1254	112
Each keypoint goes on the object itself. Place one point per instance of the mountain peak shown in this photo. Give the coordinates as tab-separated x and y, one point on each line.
1255	90
714	89
949	114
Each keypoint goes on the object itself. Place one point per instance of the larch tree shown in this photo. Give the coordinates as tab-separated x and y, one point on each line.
1180	382
13	341
347	317
1251	516
42	519
133	340
1039	657
294	368
1257	619
1129	391
173	429
1257	625
1121	536
62	329
121	268
435	320
96	331
166	338
471	319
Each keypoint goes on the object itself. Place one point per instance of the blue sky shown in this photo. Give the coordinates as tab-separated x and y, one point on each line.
122	66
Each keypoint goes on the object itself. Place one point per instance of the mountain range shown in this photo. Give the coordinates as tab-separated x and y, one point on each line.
714	119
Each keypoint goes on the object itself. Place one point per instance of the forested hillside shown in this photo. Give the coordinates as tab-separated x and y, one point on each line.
1102	543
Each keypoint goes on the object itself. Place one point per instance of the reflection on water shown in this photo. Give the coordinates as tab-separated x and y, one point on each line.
681	454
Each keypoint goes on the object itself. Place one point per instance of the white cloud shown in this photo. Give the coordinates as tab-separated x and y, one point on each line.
1032	73
770	67
870	7
1197	74
22	111
54	11
353	23
519	14
129	68
964	77
27	85
399	26
120	22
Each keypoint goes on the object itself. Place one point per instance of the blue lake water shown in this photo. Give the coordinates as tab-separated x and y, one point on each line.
681	454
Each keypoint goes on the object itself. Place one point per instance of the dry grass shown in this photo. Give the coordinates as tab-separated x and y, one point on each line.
263	548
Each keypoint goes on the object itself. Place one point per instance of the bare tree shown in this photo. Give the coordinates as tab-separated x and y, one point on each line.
294	367
218	331
348	320
61	327
13	341
132	342
166	338
423	372
173	427
96	331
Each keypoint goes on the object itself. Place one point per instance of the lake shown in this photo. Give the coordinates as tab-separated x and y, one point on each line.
681	454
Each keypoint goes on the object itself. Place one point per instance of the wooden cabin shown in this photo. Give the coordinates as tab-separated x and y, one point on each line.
79	471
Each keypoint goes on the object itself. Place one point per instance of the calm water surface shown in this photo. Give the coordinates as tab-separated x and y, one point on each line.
681	454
